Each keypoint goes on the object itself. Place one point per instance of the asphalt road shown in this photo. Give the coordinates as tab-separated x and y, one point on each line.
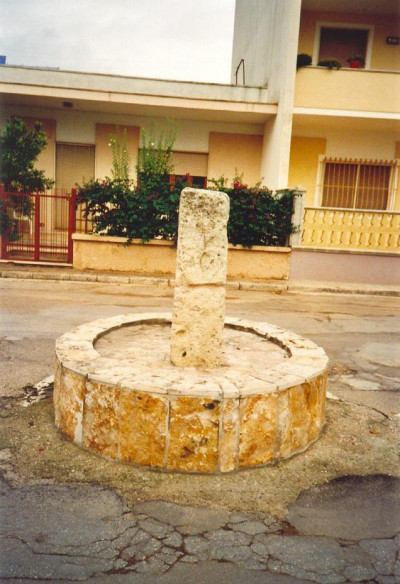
338	529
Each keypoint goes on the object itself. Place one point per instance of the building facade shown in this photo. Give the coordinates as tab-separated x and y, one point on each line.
334	132
341	124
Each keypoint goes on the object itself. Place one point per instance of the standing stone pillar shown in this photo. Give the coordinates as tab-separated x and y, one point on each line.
199	299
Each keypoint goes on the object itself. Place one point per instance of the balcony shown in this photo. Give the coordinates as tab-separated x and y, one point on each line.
349	90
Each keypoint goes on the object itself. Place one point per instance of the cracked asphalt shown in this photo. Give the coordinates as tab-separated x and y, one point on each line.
329	515
59	533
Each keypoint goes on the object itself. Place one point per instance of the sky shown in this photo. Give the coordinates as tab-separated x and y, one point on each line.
165	39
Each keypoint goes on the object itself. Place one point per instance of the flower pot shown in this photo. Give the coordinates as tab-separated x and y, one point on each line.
355	64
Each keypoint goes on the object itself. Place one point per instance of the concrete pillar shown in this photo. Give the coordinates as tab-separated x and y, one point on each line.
201	263
298	217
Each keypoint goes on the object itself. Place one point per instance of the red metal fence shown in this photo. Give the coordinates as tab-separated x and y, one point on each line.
37	227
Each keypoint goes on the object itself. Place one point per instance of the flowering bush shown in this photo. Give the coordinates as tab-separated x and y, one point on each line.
121	209
150	210
257	215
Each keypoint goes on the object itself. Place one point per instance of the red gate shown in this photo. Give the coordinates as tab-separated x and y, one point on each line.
37	227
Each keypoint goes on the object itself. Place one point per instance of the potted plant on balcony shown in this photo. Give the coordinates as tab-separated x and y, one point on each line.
303	60
356	61
330	63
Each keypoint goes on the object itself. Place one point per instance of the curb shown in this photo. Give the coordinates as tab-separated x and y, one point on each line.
278	286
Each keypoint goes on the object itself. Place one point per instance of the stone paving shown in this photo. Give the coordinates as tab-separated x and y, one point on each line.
354	539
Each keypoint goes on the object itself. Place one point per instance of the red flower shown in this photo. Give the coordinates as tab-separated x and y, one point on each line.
238	185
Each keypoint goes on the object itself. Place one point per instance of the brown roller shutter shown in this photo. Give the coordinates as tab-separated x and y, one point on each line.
192	163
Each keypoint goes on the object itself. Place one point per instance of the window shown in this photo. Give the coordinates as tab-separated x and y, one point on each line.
190	166
197	182
357	184
341	41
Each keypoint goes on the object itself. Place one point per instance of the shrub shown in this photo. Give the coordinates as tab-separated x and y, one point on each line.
150	209
19	150
257	215
118	208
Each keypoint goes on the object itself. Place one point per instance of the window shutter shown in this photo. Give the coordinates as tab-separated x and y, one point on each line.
74	164
191	163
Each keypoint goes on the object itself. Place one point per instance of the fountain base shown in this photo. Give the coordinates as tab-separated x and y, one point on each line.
263	404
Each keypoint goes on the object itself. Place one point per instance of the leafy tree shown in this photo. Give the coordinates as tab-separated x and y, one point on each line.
20	149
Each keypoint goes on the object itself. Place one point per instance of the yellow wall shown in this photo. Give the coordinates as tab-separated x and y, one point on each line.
347	89
383	56
303	169
397	198
104	152
158	257
228	152
47	158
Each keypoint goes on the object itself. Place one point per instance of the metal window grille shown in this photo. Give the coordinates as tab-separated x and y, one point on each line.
358	184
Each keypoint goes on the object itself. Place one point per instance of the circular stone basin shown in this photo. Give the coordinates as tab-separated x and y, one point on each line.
146	348
117	393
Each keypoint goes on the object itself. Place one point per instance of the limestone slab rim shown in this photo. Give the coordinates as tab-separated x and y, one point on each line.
75	351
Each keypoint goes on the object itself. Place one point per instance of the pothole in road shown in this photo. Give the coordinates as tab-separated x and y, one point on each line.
360	383
35	393
384	354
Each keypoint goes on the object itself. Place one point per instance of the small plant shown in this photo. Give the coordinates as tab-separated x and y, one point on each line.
303	60
155	154
356	61
121	158
330	63
8	224
219	183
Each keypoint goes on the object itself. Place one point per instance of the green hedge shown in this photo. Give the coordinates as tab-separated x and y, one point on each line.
257	215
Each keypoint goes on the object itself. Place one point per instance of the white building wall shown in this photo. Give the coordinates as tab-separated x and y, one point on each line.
266	37
77	127
251	41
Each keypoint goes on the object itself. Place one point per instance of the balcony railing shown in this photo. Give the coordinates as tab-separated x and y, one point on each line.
331	228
